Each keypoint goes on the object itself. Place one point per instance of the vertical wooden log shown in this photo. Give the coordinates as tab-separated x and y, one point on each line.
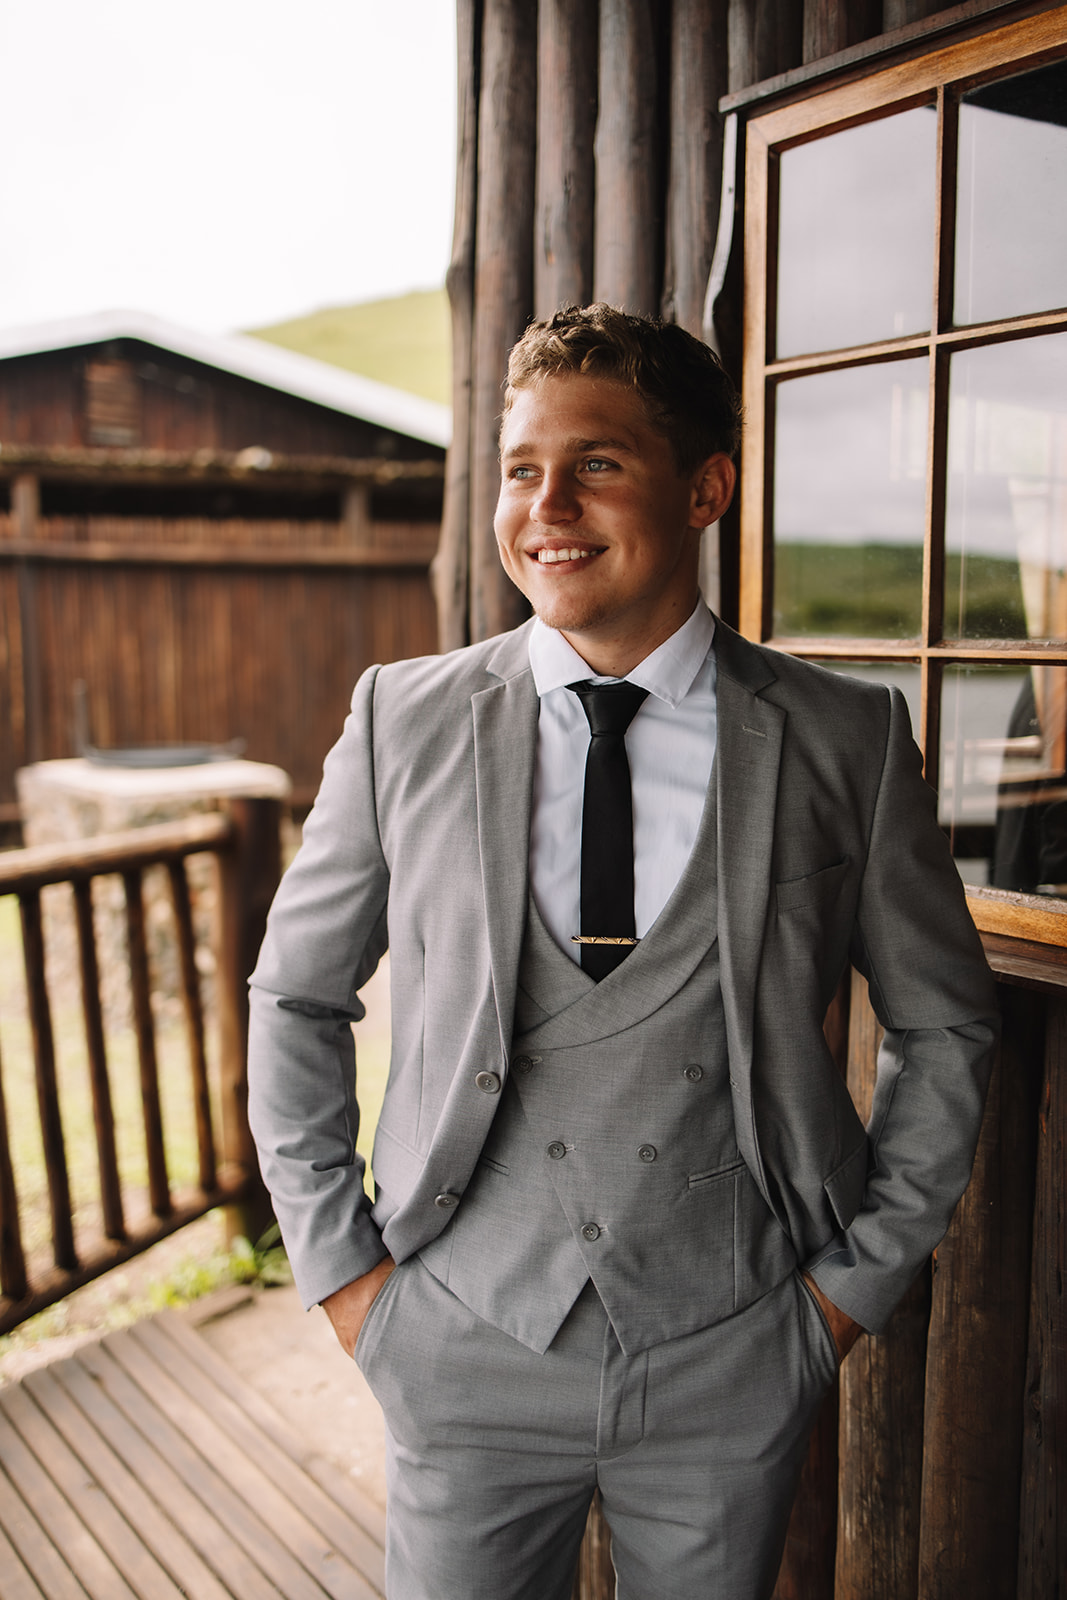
103	1115
831	25
566	123
766	38
26	507
595	1578
807	1570
629	205
44	1056
976	1357
449	570
898	13
13	1284
194	1021
1043	1518
880	1440
503	295
249	873
145	1034
694	170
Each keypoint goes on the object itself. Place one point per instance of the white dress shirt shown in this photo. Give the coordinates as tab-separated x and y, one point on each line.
670	745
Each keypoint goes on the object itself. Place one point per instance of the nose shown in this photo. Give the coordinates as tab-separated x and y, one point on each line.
556	501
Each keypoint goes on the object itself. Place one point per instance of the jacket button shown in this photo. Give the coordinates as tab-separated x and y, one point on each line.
647	1152
445	1202
524	1063
488	1082
693	1073
590	1232
557	1150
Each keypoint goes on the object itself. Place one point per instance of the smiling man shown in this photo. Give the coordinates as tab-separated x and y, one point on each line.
626	1219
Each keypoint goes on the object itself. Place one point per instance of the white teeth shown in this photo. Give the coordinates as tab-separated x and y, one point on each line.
546	557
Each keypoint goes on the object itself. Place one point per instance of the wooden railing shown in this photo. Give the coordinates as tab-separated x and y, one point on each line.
245	841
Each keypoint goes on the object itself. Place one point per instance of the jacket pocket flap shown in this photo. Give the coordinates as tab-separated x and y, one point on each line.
819	886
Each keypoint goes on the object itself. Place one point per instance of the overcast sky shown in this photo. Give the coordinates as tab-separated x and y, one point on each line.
223	163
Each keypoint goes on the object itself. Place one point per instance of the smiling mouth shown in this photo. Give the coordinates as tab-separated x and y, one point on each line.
547	558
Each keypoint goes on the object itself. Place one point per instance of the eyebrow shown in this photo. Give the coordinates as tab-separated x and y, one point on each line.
575	447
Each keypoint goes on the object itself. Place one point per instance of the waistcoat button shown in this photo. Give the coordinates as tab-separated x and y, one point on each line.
557	1150
590	1232
693	1073
445	1202
647	1152
488	1082
524	1063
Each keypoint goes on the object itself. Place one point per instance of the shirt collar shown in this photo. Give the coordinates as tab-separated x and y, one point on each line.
668	672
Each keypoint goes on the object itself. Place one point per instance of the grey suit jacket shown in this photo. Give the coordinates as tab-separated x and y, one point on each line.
829	851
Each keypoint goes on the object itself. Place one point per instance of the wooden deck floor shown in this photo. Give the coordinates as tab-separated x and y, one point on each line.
143	1468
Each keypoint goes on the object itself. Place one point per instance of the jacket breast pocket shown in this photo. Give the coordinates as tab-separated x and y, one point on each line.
816	888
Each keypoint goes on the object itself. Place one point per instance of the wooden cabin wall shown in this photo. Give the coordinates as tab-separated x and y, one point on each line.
238	646
937	1469
181	405
589	166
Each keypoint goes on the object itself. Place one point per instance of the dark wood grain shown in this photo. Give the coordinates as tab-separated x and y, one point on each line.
194	1021
145	1034
627	251
976	1355
698	78
103	1114
44	1057
1042	1520
451	564
12	1260
566	123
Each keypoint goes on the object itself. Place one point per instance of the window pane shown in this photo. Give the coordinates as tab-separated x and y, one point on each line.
1011	220
849	502
856	234
1006	511
1003	785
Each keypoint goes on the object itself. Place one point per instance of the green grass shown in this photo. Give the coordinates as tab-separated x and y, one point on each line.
404	342
874	591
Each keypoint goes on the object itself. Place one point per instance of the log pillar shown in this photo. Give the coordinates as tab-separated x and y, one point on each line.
566	122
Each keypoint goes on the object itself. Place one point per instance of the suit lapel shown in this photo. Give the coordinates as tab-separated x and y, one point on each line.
505	745
749	747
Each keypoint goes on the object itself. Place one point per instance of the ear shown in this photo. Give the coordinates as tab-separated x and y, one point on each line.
713	489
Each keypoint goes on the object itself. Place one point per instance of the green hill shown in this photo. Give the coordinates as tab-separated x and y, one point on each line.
405	341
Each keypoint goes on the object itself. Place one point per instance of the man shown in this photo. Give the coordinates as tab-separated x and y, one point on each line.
626	1219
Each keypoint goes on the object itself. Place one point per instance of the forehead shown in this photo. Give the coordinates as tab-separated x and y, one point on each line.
570	410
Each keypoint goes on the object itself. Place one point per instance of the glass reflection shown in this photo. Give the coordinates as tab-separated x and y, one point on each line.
856	234
1011	221
1006	511
849	502
1003	790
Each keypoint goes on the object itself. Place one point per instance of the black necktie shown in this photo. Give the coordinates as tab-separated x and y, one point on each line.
607	879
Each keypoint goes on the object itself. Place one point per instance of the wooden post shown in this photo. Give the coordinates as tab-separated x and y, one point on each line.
698	80
103	1115
766	38
976	1357
566	122
1043	1519
831	25
503	296
450	567
595	1578
13	1283
26	509
627	262
44	1056
249	873
880	1440
144	1031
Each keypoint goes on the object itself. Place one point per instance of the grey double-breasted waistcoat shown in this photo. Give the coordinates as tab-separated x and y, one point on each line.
613	1155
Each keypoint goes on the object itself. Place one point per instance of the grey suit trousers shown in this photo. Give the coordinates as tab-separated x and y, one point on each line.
494	1451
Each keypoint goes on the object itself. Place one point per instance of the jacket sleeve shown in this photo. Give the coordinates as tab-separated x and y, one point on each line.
325	935
932	991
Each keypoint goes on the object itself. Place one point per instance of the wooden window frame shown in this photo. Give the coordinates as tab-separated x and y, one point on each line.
1025	932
